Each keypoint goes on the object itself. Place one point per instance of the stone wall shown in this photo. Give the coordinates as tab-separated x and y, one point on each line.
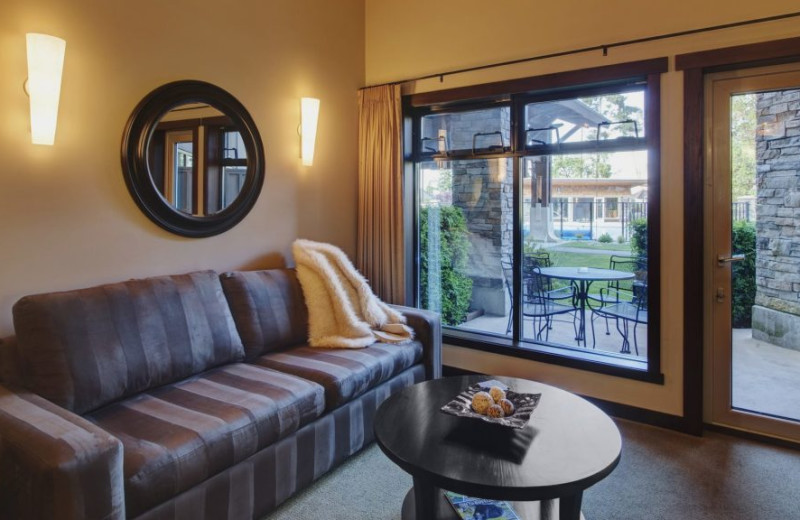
483	189
776	316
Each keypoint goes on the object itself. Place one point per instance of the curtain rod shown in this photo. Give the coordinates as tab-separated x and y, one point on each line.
603	48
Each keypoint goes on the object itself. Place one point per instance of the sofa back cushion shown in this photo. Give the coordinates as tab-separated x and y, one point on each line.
10	371
268	308
85	348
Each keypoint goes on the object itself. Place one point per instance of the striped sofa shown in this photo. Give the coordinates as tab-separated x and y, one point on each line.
188	396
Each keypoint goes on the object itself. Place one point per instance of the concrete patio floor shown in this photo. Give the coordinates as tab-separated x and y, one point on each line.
562	333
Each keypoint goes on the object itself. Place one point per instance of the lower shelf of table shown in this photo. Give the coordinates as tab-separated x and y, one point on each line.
545	510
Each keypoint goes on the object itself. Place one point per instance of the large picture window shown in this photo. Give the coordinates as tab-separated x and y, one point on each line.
536	228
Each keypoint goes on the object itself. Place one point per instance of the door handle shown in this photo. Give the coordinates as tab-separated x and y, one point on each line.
722	260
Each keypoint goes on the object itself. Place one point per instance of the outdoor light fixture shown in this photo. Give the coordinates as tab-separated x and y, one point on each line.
309	115
45	64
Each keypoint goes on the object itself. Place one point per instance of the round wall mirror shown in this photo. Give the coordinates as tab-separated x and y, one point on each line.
192	158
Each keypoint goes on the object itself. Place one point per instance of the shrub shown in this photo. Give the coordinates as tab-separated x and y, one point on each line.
605	238
743	275
620	239
639	237
455	288
530	246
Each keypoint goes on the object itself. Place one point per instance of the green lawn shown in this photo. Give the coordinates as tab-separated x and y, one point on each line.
569	259
590	258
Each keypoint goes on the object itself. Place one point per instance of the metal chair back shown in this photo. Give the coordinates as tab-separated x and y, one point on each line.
628	264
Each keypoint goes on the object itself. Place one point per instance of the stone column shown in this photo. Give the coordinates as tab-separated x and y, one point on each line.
483	189
776	315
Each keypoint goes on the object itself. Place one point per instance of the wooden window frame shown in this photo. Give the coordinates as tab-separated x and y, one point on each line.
695	67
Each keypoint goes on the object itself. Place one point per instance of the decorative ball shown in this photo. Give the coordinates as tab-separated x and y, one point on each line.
507	406
497	393
481	402
495	411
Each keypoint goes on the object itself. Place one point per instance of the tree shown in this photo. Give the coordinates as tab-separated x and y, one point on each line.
614	107
441	190
743	145
584	166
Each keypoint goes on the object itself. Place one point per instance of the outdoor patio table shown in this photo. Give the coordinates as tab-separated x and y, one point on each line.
581	278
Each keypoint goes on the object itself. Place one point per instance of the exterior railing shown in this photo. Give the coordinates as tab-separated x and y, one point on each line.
589	219
743	211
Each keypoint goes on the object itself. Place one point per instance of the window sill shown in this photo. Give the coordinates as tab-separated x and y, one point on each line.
588	360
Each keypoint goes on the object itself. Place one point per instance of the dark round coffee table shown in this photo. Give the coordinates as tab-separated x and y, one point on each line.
568	445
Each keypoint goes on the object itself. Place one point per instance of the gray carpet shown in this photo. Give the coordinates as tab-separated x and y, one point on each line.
662	475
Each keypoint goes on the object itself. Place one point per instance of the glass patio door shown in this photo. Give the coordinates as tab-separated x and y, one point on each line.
753	251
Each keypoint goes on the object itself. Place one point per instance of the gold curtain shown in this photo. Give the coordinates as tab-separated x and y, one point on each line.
379	251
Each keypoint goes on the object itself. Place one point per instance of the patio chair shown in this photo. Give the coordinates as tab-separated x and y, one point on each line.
539	303
536	259
628	264
508	279
623	312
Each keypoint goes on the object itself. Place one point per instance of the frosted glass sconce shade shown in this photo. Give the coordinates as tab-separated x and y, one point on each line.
309	113
45	65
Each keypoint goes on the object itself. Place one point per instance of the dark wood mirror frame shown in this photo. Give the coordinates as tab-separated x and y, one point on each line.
136	140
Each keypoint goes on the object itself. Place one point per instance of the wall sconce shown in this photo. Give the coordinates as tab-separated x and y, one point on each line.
309	116
45	64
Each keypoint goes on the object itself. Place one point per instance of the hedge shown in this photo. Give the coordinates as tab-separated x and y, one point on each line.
455	287
743	274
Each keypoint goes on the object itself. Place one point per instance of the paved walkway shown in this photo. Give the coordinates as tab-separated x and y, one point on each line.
766	378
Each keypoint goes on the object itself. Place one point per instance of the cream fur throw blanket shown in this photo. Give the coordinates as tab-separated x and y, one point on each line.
343	312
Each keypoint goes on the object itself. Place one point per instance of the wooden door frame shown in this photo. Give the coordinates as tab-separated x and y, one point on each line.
695	67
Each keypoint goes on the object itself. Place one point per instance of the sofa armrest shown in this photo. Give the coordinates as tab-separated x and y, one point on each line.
55	464
427	327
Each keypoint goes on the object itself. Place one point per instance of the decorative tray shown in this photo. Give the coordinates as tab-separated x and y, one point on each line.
524	405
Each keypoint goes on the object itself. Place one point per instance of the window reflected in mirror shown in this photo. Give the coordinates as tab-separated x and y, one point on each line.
197	159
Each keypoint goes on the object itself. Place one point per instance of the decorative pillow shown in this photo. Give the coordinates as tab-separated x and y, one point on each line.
268	308
86	348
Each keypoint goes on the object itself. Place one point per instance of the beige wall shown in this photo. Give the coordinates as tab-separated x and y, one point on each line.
408	38
67	220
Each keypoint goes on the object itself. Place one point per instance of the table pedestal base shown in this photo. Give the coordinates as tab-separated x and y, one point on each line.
544	510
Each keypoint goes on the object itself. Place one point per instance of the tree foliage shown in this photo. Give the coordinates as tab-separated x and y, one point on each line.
584	166
743	145
454	292
616	108
597	165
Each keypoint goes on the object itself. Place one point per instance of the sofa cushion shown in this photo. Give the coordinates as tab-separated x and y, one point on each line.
86	348
268	308
345	373
177	436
